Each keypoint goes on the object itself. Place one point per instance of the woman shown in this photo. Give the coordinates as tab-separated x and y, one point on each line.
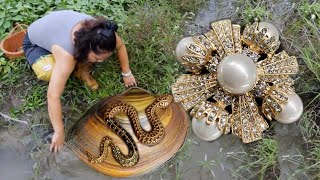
63	42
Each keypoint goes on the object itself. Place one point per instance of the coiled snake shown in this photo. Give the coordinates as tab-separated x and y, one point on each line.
150	138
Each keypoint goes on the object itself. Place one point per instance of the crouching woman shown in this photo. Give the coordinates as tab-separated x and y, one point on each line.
66	42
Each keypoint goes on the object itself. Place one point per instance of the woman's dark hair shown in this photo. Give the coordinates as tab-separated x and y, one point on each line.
96	34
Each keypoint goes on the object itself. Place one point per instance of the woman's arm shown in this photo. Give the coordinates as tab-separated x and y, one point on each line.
122	54
64	65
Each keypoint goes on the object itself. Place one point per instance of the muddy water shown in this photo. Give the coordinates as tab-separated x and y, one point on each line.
14	156
14	162
198	160
14	166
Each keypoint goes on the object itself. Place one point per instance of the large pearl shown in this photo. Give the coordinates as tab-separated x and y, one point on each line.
237	73
271	29
181	48
291	111
204	131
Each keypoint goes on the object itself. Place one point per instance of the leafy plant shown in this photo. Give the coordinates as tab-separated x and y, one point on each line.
254	11
27	11
5	65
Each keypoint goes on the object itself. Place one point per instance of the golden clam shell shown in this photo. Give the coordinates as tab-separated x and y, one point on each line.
87	133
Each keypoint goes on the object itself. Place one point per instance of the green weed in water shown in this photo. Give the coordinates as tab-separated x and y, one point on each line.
258	161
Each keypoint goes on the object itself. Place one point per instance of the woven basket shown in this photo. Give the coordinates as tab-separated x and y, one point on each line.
12	44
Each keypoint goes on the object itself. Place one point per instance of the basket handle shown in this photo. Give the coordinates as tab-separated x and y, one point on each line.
18	25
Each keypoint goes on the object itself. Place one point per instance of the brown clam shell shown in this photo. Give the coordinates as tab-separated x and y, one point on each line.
87	133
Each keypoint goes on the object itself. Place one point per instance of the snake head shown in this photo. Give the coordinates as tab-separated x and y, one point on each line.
164	100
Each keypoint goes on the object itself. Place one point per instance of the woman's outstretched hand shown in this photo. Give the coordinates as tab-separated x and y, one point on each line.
57	142
129	80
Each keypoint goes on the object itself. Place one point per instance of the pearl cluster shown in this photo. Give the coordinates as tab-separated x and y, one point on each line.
227	70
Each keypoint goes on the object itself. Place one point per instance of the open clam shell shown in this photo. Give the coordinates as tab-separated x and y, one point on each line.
87	133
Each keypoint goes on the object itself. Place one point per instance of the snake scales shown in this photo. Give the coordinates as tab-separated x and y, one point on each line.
150	138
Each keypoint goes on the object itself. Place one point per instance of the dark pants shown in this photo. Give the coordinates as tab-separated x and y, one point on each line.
32	51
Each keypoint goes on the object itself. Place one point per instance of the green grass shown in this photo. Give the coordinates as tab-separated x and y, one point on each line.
307	124
309	163
174	168
301	38
254	11
306	26
211	164
258	161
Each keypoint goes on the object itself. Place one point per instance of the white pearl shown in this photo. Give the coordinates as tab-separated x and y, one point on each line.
271	29
237	73
291	111
204	131
181	48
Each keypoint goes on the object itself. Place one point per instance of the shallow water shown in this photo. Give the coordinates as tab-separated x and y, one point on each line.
14	166
14	162
200	160
66	166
